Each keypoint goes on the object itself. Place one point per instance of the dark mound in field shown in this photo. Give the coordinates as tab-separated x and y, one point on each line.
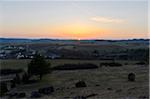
80	84
79	97
75	66
46	90
21	95
131	77
35	94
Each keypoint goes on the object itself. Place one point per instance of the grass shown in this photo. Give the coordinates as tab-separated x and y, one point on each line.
106	77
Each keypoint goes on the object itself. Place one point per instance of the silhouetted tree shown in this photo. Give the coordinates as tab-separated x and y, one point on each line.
38	66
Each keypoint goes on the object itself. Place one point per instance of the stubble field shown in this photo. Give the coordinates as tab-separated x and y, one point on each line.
104	82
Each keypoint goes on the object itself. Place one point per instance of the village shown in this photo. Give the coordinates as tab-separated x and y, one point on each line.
82	50
21	52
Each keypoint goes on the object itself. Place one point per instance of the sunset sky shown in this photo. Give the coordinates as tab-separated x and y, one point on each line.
74	19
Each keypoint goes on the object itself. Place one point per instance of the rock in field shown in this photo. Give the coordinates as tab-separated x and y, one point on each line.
80	84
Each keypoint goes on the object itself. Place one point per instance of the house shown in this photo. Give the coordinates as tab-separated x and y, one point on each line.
52	55
20	56
2	56
30	54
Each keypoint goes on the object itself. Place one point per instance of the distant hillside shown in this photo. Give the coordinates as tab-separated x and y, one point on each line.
25	40
14	40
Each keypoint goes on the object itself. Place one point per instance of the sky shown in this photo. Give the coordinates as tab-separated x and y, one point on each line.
81	19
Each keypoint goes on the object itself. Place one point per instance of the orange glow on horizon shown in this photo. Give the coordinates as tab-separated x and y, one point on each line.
70	31
75	31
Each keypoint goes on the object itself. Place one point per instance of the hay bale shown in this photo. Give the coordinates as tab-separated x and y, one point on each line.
131	77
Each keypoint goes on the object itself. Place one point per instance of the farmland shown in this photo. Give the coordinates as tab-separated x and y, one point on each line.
101	81
105	82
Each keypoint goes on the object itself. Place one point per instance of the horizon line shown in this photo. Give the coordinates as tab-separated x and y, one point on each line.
70	38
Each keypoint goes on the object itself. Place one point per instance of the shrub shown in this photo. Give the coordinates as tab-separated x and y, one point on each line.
140	63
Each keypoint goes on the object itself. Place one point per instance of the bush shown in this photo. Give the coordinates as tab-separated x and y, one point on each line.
75	66
140	63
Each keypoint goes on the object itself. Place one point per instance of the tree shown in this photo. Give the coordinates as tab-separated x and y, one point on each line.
38	66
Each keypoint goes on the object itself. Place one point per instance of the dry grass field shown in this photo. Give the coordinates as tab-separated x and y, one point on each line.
105	82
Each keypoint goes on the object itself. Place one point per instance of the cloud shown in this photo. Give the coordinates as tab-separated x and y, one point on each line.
106	20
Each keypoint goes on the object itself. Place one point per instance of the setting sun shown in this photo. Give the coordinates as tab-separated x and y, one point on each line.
78	31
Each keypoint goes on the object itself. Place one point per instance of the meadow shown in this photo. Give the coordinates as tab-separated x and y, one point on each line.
105	82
